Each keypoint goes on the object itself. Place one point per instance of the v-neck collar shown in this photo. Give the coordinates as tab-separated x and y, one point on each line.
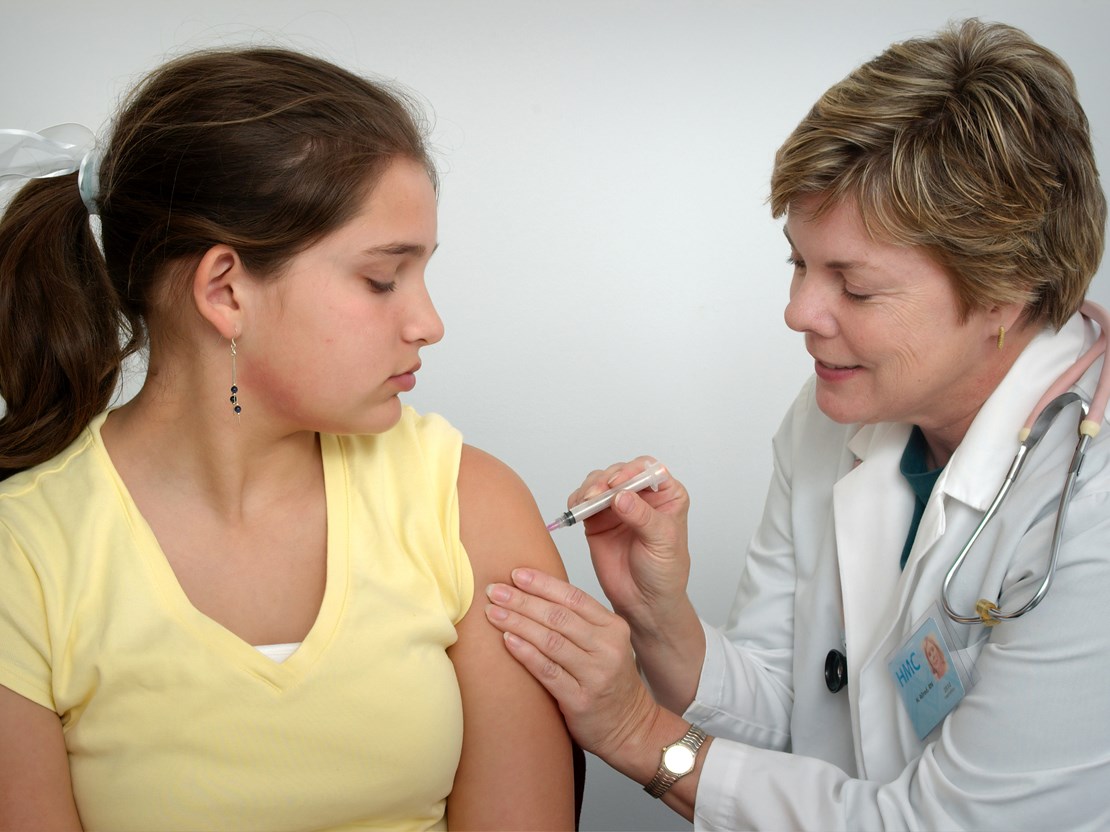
234	650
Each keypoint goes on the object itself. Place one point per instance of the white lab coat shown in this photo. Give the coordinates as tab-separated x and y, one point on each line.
1029	745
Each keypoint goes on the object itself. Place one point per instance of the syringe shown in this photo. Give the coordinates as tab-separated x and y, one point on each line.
654	473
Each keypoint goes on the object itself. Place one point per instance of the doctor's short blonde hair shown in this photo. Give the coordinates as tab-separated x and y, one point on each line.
972	144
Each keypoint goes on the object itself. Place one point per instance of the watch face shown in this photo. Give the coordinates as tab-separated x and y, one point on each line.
679	760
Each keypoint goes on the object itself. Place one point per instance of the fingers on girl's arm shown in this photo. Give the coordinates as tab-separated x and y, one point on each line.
35	789
537	583
589	667
516	770
564	637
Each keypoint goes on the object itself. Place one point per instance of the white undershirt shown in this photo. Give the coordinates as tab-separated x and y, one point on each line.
278	652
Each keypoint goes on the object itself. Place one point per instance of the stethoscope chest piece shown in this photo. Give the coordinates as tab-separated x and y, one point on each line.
836	671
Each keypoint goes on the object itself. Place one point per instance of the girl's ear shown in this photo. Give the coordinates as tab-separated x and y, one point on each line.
219	288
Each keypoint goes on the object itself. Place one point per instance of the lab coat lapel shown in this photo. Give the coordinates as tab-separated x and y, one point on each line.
873	507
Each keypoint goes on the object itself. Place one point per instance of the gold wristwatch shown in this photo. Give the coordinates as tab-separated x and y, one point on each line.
677	761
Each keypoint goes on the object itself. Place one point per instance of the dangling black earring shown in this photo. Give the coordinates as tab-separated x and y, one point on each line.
234	387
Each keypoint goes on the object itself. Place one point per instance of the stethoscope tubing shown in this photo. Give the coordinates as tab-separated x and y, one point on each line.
1055	399
986	611
1068	378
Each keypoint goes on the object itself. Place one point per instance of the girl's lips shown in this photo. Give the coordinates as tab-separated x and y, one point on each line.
406	381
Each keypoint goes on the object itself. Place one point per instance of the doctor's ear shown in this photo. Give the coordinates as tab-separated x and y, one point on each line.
1009	316
219	286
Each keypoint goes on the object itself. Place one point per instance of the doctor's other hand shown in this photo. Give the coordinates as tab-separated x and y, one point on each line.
639	546
581	653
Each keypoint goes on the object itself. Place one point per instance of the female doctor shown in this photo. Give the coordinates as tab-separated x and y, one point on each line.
944	218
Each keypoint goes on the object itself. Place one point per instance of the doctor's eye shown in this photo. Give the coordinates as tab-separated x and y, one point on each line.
853	296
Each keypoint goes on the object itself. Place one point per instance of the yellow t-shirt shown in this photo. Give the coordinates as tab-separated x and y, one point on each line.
173	722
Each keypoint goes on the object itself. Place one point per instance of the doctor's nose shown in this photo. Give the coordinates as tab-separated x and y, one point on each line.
808	309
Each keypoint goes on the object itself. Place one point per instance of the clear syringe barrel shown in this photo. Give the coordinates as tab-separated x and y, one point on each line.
653	474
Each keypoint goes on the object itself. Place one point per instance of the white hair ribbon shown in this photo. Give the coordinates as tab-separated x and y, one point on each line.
55	151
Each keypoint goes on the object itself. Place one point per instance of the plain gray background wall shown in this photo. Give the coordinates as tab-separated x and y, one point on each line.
609	275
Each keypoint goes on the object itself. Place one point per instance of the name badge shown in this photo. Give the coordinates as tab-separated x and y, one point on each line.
926	676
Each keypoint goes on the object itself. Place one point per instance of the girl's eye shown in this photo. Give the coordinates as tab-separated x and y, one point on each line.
379	286
796	261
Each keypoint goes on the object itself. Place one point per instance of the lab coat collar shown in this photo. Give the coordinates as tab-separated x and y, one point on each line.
978	466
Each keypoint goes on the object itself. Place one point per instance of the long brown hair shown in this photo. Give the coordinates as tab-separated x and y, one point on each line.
262	149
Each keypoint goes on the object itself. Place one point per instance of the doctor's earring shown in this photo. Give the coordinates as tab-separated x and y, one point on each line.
234	384
1001	336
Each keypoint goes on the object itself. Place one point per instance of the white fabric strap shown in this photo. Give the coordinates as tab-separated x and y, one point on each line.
55	151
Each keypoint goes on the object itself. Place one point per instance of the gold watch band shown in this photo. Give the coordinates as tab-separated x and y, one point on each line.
665	777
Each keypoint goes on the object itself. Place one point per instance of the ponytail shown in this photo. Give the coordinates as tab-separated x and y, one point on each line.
63	333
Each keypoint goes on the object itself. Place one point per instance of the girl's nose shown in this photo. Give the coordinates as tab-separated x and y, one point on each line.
424	323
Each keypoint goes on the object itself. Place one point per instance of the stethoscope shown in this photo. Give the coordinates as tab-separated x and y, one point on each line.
1056	399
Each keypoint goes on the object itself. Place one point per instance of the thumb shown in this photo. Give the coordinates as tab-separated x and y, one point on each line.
634	512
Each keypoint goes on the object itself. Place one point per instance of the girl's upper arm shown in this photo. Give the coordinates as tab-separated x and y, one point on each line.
516	768
35	789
